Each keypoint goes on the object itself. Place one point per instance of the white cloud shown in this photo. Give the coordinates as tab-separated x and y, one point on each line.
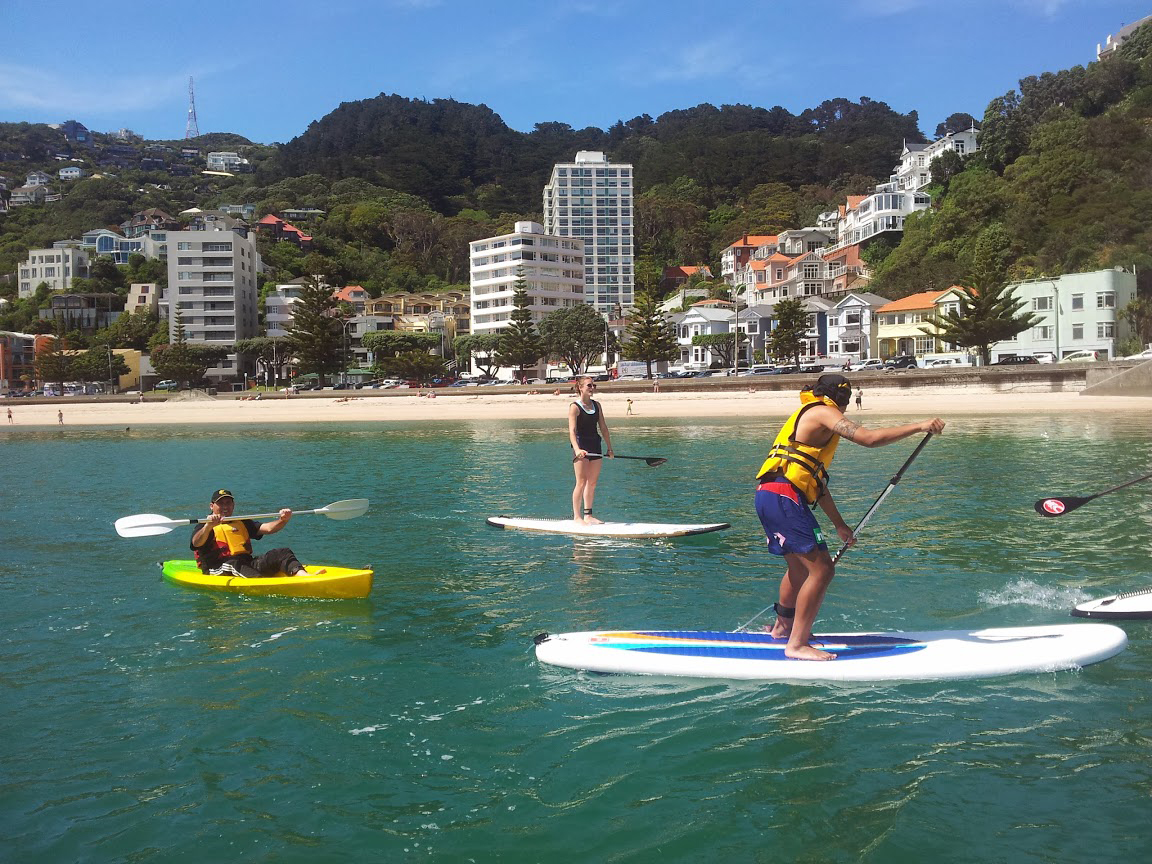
36	89
702	60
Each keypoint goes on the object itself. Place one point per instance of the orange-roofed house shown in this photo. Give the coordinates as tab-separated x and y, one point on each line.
899	324
738	254
353	295
277	229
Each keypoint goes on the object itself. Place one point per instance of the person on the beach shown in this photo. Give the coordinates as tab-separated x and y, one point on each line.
629	411
224	546
10	420
586	426
792	480
60	417
859	399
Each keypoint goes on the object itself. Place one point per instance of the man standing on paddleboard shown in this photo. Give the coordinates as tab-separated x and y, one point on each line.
794	479
224	546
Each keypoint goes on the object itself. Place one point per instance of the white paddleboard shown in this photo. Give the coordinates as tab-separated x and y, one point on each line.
1130	605
895	656
608	529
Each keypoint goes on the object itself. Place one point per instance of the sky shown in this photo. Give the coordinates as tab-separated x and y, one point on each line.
268	70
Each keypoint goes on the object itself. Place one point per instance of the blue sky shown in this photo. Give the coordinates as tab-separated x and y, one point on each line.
267	70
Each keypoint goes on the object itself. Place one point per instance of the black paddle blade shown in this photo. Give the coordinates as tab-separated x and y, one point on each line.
652	463
1059	506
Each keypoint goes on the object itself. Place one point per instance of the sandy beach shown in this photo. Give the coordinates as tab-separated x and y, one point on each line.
470	404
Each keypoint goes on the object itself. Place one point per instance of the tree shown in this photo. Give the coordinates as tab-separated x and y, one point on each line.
131	330
720	344
1138	314
574	335
650	336
392	343
186	362
271	355
787	339
961	121
520	345
54	365
99	364
413	366
480	351
316	336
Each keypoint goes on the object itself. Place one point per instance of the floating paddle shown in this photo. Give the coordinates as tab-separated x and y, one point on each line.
652	461
856	532
148	524
1060	506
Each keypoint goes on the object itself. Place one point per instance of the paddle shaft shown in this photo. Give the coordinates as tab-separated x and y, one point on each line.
876	504
253	516
1116	488
618	456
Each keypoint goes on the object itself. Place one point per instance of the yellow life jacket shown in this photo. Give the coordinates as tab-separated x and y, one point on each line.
232	539
805	466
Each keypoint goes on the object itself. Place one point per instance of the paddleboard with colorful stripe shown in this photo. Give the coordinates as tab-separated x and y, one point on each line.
896	656
607	529
1131	605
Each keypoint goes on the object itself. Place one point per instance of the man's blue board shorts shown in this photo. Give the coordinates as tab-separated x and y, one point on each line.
789	525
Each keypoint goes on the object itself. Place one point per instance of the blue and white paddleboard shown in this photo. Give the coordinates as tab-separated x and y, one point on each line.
897	656
607	529
1131	605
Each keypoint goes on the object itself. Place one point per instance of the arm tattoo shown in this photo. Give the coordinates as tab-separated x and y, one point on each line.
845	428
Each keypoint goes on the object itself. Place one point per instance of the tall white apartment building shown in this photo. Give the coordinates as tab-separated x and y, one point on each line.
590	199
56	267
212	267
552	267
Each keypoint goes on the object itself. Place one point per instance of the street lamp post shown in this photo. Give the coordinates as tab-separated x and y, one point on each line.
111	378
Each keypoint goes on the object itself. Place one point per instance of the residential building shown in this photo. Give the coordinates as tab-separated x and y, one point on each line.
852	326
446	312
354	296
38	178
879	214
25	195
240	211
1122	35
75	131
899	330
72	172
707	318
846	270
797	241
17	358
915	169
738	254
145	221
142	295
301	214
278	305
553	269
590	199
212	269
84	312
803	275
675	278
277	230
1077	312
224	160
55	267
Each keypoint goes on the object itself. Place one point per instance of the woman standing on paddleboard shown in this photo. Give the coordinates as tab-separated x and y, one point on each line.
586	426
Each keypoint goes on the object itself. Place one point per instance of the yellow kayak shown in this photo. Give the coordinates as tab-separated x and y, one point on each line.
321	581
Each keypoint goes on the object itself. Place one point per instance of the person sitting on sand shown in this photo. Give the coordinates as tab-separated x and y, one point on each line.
224	546
794	479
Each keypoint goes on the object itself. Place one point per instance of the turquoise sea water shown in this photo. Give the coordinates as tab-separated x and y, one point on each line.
150	723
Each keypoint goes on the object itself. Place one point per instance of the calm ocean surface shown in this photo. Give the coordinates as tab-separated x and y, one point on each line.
149	723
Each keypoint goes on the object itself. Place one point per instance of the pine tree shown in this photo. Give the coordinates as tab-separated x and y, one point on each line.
787	339
520	345
650	336
317	335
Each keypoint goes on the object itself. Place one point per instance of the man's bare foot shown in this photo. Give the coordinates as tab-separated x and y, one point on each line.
592	520
807	652
779	630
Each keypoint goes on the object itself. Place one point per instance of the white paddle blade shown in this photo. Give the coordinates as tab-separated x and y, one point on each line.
145	525
349	509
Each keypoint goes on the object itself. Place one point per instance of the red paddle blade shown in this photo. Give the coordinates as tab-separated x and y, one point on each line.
1059	506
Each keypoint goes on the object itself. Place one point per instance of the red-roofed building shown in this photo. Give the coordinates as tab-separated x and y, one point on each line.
737	255
278	230
354	295
900	323
676	278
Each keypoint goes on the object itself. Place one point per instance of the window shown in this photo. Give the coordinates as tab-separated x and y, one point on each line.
1106	300
925	344
1041	304
1105	330
1044	332
1077	302
1077	331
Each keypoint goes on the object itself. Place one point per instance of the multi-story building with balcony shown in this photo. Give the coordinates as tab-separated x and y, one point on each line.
1121	36
915	169
553	269
55	267
224	160
737	255
212	267
590	200
880	214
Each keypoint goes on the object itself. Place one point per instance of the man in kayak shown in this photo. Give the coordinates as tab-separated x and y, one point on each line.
794	479
224	546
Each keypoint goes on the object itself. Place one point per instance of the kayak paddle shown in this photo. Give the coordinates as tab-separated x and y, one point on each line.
652	461
148	524
1060	506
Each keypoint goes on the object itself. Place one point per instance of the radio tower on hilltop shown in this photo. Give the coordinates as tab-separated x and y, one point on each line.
192	130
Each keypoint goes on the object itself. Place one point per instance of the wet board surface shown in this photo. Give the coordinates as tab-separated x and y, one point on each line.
1131	605
895	656
608	529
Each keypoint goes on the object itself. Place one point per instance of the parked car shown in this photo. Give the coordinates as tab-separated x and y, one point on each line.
944	362
1146	354
1080	357
904	361
1017	360
167	384
873	364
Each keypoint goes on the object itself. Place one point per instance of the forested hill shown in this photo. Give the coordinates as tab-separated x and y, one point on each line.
457	156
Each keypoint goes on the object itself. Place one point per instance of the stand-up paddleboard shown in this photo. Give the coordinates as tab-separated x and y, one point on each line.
1130	605
607	529
927	656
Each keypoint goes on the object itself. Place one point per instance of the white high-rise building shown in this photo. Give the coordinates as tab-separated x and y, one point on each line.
590	199
212	267
552	268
